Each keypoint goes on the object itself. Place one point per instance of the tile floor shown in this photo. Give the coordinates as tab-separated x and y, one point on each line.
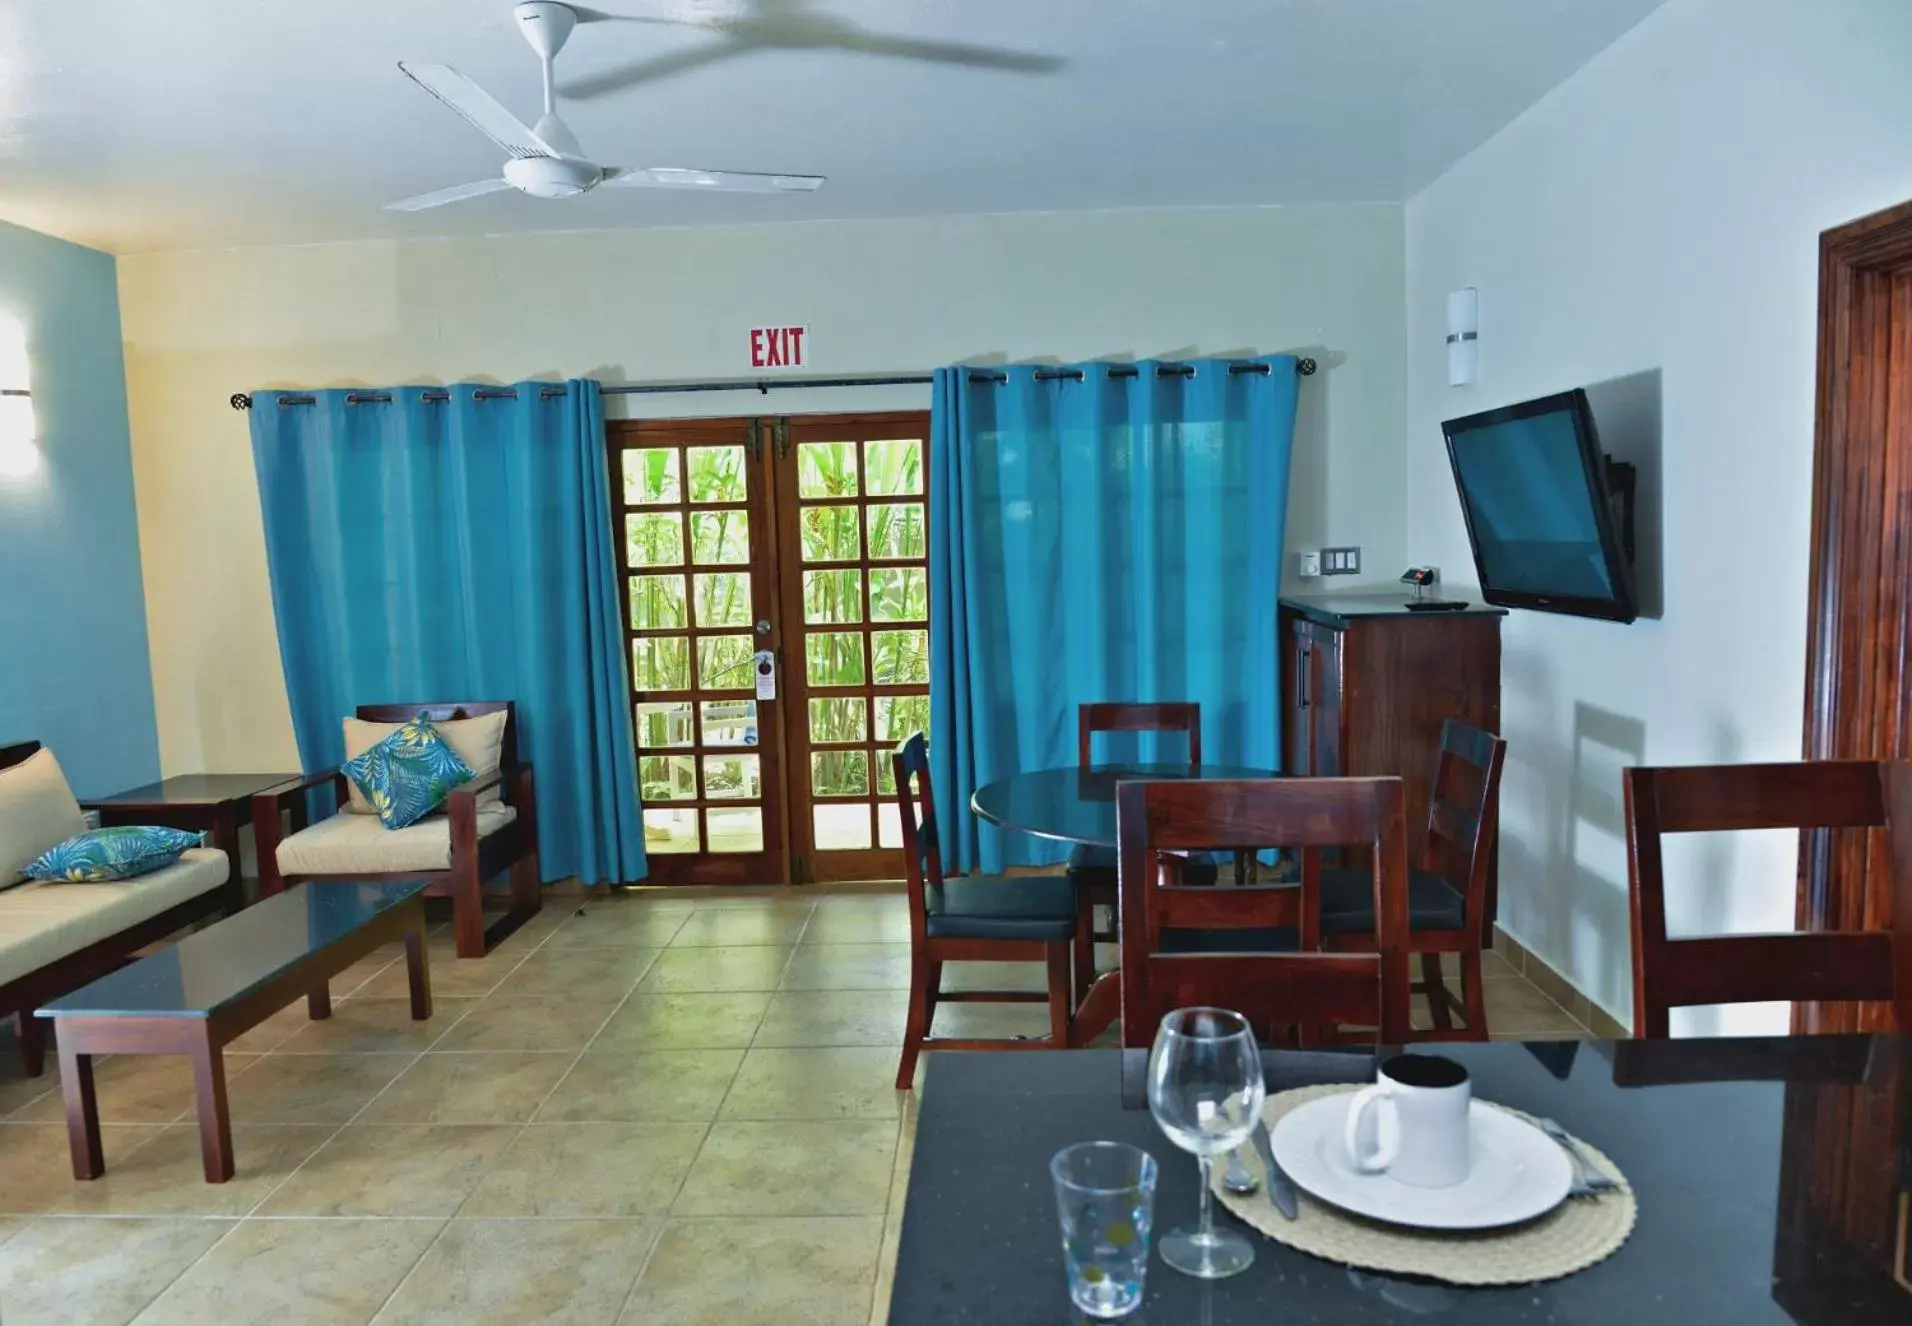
654	1109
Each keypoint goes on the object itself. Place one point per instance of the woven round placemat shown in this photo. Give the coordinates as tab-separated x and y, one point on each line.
1571	1237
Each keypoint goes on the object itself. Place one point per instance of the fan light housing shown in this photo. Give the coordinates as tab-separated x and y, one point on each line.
551	177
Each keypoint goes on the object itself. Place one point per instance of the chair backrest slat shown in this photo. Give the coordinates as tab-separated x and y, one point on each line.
1114	716
1276	991
922	851
444	711
1463	812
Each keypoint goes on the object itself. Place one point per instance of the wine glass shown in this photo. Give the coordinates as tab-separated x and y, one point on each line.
1206	1093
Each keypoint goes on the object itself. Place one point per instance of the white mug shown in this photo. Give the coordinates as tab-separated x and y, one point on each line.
1421	1135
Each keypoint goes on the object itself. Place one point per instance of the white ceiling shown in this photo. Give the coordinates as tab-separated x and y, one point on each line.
153	124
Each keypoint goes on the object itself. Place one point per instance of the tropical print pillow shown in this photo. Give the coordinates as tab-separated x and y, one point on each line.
409	774
106	854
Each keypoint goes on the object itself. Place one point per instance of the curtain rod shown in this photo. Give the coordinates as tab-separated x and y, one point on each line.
243	400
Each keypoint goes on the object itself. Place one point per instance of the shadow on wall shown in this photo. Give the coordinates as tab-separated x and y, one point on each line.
1626	414
1604	745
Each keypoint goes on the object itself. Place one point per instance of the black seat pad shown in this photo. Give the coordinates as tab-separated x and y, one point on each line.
999	907
1347	902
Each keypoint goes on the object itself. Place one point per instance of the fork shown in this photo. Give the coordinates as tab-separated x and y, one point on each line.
1588	1179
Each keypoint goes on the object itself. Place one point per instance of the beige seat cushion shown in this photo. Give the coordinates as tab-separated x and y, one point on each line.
480	743
37	811
348	844
43	921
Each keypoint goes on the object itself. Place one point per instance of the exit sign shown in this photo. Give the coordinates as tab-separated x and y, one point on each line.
779	347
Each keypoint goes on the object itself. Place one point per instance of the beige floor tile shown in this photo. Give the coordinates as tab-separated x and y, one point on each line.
36	1168
96	1272
885	1273
311	1088
643	1086
1519	1007
739	927
791	1169
1033	976
16	1089
452	977
834	1017
814	1272
1496	967
684	1022
354	977
375	1026
991	1021
167	1176
393	1170
272	1033
600	975
848	967
527	1022
613	926
841	1083
681	971
766	901
589	1170
133	1088
508	1272
313	1272
504	1087
888	923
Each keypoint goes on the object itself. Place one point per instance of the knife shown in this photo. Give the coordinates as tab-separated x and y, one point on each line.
1281	1188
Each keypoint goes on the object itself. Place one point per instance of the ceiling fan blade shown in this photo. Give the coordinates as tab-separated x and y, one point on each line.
710	181
647	71
418	202
950	52
478	108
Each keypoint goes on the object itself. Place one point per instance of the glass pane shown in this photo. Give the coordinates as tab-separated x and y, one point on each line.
660	663
723	598
841	827
668	831
840	773
891	469
899	717
832	596
730	722
716	474
885	775
899	594
655	538
830	534
667	778
650	476
826	469
889	825
841	719
899	658
719	538
666	724
896	531
732	777
657	603
834	658
724	662
735	829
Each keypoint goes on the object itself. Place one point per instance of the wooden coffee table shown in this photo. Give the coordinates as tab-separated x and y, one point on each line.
197	996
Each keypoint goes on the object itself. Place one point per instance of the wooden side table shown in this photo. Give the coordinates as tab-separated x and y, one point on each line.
209	803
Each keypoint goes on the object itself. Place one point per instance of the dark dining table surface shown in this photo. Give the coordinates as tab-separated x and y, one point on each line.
1772	1179
1077	805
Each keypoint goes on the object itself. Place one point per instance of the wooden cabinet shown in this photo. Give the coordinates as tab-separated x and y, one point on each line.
1366	685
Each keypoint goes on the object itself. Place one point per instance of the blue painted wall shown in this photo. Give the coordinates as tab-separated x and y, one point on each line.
74	671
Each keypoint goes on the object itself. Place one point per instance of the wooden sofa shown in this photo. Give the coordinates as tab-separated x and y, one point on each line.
56	937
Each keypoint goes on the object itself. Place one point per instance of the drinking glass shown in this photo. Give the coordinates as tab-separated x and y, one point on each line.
1105	1199
1206	1092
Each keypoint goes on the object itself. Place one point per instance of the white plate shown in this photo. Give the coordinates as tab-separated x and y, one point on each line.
1519	1172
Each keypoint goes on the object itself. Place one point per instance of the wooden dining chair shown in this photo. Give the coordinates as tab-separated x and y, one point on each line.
974	918
1871	964
1447	898
1172	953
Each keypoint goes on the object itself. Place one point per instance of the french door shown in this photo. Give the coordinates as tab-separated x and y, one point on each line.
801	542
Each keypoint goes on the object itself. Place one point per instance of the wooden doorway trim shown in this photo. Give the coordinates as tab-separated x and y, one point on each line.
1859	613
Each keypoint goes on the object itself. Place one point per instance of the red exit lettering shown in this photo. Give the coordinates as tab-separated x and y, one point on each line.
778	347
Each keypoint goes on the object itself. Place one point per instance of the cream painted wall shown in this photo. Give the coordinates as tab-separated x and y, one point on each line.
1661	211
664	305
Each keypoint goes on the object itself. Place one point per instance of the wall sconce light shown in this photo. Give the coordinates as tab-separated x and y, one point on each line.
1463	337
19	453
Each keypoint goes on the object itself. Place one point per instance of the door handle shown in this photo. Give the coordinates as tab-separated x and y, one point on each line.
1305	665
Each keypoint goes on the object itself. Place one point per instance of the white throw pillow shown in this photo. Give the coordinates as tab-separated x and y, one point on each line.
480	743
37	811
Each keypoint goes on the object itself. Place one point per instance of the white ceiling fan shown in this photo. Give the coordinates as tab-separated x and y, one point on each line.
545	160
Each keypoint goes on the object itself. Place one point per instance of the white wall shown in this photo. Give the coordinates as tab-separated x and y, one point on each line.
1661	211
664	305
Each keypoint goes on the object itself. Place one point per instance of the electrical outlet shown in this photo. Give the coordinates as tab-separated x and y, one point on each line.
1309	564
1340	561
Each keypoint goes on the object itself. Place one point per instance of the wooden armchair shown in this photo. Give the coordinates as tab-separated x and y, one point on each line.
454	853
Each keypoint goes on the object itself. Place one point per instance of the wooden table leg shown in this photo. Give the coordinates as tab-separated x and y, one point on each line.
215	1120
82	1110
225	836
418	969
318	1002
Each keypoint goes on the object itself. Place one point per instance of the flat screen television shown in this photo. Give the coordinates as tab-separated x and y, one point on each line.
1546	529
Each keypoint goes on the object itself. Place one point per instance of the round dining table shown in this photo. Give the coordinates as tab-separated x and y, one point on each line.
1077	805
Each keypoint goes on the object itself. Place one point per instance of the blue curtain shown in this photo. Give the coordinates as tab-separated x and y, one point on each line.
459	548
1107	536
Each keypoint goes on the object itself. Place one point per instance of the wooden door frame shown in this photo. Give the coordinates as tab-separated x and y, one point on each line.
1859	613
